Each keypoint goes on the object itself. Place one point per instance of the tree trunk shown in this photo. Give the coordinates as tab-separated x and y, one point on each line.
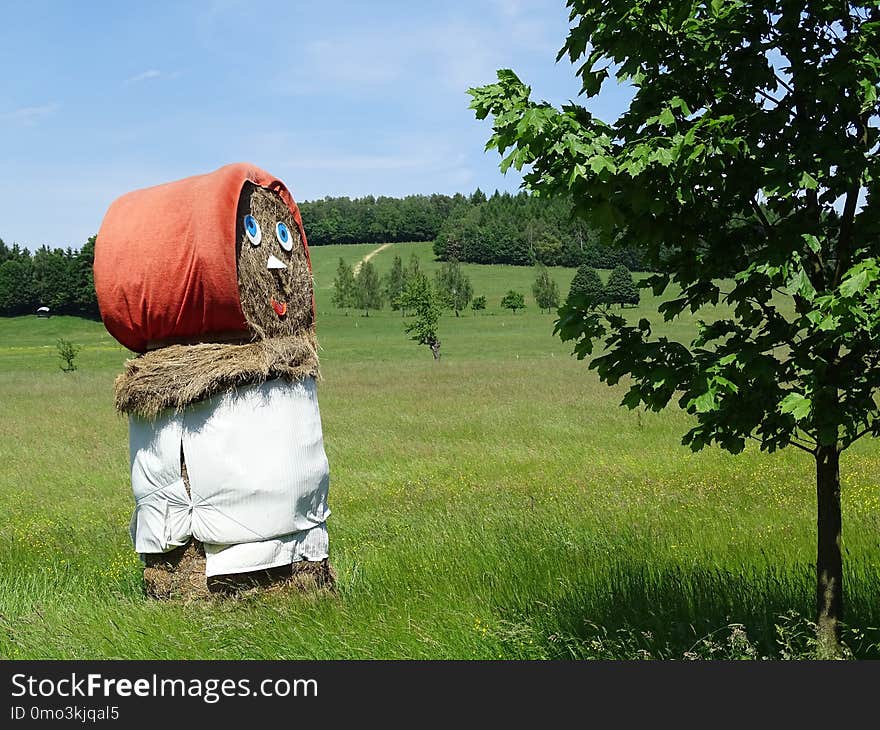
435	349
829	565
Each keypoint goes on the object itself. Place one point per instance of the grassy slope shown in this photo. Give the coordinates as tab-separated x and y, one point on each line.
497	504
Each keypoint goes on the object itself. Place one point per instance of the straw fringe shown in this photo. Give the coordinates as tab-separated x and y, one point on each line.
178	375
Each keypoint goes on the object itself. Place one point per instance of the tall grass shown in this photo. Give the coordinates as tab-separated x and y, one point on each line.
497	504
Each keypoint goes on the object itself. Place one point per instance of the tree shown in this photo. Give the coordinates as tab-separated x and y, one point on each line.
621	289
367	288
67	353
545	289
413	267
420	300
85	300
54	284
513	300
750	147
453	286
478	303
17	294
395	283
587	284
344	286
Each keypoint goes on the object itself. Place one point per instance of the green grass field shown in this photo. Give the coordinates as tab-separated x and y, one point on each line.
497	504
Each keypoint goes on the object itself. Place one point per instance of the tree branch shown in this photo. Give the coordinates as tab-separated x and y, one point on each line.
792	441
783	83
761	217
768	97
849	212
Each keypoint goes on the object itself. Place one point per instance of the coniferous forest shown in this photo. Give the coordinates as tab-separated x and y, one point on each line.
503	228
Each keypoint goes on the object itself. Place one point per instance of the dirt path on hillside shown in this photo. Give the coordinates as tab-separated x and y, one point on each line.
357	266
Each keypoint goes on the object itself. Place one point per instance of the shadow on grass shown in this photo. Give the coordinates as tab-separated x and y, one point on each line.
635	611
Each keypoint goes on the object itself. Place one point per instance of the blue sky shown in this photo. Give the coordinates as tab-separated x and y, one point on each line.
335	98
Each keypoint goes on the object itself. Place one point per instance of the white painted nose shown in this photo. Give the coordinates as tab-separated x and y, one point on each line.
274	263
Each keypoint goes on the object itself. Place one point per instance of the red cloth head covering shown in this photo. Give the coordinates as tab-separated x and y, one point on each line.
165	260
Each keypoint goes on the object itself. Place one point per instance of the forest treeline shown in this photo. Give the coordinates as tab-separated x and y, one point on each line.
56	278
522	229
503	228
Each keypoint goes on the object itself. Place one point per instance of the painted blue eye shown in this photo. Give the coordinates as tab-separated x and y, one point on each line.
283	235
252	230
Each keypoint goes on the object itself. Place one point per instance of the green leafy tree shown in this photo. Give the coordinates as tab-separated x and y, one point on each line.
621	289
750	146
586	284
545	289
344	286
85	300
17	295
413	267
513	300
453	286
367	288
421	301
395	283
478	304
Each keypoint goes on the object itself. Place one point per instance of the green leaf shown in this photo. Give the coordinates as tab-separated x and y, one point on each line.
797	405
704	403
666	118
812	242
663	155
856	283
808	181
601	162
801	285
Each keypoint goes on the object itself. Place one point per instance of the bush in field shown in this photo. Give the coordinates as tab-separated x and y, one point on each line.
513	300
67	352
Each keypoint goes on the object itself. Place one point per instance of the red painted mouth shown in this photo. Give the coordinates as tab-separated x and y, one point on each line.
279	307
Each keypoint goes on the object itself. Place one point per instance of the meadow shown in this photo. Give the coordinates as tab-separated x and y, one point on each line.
495	505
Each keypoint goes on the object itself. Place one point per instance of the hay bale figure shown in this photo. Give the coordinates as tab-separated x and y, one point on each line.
209	279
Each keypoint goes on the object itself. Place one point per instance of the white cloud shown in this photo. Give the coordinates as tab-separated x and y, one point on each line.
30	115
149	74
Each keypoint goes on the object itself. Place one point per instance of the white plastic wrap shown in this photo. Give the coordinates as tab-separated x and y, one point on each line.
257	471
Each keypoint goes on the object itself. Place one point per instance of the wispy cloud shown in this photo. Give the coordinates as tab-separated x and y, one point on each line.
29	115
149	74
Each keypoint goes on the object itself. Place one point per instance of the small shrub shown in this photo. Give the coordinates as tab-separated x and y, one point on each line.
513	300
67	351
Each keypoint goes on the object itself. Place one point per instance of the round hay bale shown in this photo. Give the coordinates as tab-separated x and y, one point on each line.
209	315
303	576
180	573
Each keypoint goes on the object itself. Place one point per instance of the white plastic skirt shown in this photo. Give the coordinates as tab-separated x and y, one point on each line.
257	472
